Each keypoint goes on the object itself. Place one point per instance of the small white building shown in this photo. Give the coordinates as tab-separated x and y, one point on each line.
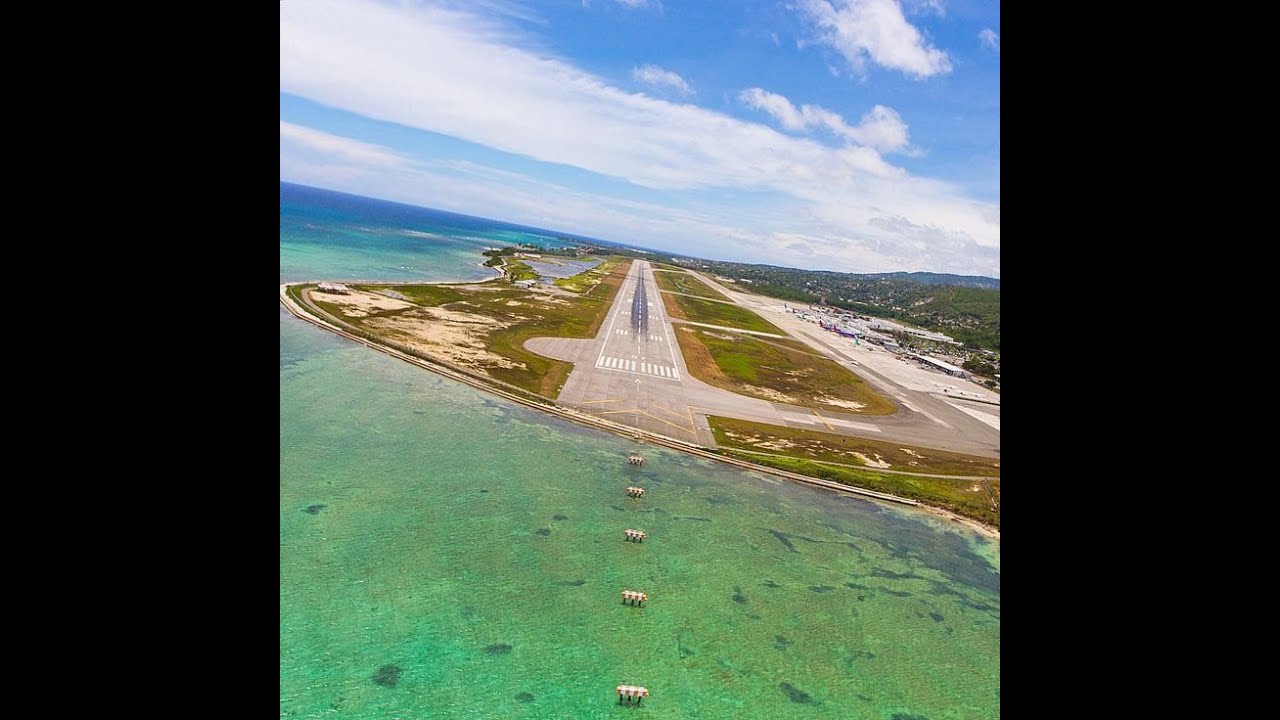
526	284
336	288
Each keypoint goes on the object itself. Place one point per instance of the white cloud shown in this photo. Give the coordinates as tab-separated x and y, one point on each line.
361	153
776	105
881	127
772	231
926	7
441	71
875	30
446	72
989	39
639	3
656	77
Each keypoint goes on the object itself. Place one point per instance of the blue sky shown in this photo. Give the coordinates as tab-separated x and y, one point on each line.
850	135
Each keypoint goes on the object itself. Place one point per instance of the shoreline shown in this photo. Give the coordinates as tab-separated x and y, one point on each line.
636	434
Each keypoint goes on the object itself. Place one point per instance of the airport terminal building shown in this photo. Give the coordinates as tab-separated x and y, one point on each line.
945	367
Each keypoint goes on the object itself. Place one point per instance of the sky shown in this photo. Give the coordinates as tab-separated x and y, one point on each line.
850	135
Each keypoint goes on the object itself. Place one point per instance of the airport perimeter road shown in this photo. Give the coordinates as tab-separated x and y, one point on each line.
919	393
633	373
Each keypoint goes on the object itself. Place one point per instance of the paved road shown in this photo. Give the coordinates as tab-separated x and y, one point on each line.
943	411
633	373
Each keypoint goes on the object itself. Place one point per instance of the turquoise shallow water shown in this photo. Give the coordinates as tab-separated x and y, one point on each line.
344	237
444	553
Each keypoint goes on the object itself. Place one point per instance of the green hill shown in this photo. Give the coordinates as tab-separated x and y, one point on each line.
966	307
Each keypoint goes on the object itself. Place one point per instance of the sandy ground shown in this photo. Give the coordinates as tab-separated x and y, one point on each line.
828	400
360	304
770	393
877	463
448	335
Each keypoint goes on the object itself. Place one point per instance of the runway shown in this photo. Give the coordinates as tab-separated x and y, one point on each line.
633	373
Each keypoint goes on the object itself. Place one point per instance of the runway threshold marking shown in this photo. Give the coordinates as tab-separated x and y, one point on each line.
662	317
634	268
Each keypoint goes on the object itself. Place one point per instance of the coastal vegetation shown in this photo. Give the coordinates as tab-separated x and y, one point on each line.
478	327
973	490
588	279
978	499
777	370
512	269
516	270
682	282
846	450
716	313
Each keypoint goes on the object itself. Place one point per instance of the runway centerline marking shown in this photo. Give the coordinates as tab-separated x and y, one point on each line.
662	316
615	318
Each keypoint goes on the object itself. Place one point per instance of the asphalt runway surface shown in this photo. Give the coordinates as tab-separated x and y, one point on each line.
633	373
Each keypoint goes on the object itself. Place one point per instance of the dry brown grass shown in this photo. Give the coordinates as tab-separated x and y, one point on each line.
673	308
482	328
698	358
777	371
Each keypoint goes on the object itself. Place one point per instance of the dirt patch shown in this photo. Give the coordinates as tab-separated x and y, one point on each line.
911	452
769	393
363	304
447	335
762	442
556	299
837	402
877	463
551	291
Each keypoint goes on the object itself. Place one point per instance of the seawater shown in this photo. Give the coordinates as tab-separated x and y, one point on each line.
445	553
559	268
335	236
